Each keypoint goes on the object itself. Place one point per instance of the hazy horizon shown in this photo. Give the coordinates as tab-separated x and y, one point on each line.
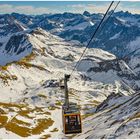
47	7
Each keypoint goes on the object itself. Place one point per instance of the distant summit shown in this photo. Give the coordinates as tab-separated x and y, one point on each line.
86	13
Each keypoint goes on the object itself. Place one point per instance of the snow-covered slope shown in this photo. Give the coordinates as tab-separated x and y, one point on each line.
50	53
14	47
9	25
116	117
31	99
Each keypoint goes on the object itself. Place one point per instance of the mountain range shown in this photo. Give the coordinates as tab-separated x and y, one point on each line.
122	27
36	52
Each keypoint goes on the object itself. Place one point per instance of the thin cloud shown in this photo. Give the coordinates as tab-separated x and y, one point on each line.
131	7
79	8
75	8
5	8
93	8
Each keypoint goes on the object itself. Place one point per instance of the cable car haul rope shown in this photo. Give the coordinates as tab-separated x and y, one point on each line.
71	116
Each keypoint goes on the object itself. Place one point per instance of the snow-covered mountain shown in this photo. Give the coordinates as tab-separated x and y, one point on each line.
121	31
14	47
122	27
117	117
9	25
34	58
31	99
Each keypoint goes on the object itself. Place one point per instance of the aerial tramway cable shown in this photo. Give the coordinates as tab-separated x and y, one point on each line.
78	62
111	13
105	22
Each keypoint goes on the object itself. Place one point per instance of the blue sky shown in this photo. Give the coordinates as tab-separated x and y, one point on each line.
40	7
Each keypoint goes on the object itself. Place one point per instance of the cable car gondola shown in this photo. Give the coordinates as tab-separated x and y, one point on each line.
71	119
70	114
